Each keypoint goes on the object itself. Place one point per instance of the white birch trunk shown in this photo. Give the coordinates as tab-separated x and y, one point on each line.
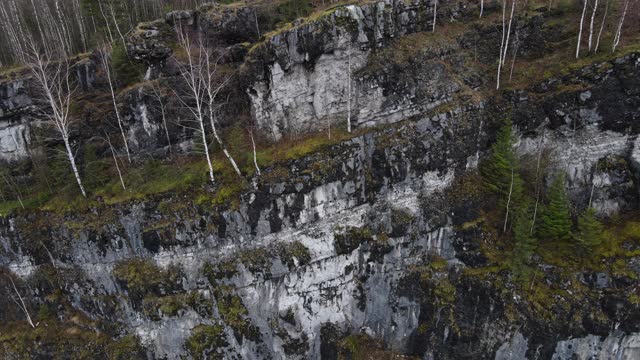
584	10
435	9
616	40
349	91
593	17
107	69
604	17
255	156
22	305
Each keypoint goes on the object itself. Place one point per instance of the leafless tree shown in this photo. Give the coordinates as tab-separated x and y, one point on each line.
618	35
504	43
104	54
349	90
115	161
593	17
156	92
604	18
195	101
255	156
54	84
213	84
435	9
21	304
584	11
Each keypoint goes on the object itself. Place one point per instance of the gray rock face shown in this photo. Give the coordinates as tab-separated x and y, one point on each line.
308	70
616	346
15	102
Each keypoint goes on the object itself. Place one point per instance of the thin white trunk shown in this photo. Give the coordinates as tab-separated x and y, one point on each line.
106	21
616	40
537	183
115	22
22	305
435	12
213	86
504	27
54	84
157	93
195	81
255	156
506	215
604	17
104	56
584	10
219	141
72	160
115	161
515	55
593	184
593	17
349	92
481	7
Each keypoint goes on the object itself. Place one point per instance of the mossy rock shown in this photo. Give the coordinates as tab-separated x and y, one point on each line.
206	342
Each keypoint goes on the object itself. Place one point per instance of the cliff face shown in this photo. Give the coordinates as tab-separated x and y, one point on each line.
377	244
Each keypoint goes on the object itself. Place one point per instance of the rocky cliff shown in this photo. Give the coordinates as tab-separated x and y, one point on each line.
375	244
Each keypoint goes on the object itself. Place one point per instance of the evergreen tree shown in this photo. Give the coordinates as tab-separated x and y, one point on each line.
524	243
502	162
589	232
555	222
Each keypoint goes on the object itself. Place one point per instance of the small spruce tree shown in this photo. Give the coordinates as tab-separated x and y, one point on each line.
589	232
502	162
555	222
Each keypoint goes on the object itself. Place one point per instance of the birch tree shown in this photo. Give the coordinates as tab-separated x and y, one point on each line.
21	304
157	95
584	11
348	91
593	17
435	11
194	79
104	59
255	156
618	35
213	84
604	18
504	43
53	82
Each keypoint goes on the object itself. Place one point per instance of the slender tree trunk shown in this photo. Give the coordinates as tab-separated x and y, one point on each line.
584	10
115	161
22	305
604	17
115	23
435	12
349	91
515	55
219	141
593	17
504	27
506	215
107	69
481	7
255	156
616	40
593	185
72	160
504	48
537	184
